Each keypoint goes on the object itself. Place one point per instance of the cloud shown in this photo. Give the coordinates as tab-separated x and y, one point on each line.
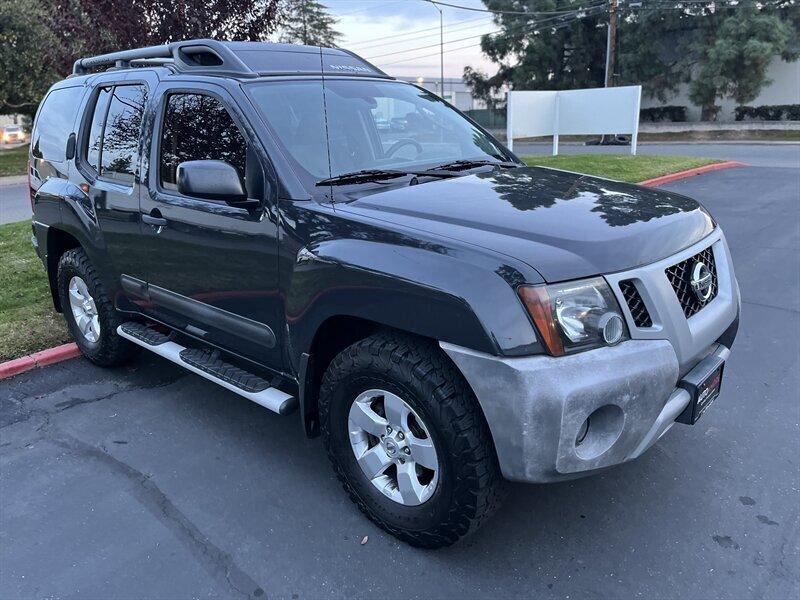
373	31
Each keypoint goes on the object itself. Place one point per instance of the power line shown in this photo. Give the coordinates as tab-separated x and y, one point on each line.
488	10
534	25
586	12
483	21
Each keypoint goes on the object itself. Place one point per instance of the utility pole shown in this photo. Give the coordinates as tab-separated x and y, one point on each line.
611	43
441	47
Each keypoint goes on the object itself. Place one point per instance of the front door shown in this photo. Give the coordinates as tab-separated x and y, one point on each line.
207	267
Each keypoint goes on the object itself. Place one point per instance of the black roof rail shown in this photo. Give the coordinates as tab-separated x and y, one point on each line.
237	59
190	55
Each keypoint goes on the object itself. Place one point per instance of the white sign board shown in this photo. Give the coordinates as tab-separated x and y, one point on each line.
592	111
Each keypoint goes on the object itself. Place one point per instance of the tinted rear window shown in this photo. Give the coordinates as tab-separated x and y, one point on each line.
54	124
119	154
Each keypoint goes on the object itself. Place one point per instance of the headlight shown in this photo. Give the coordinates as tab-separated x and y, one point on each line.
573	316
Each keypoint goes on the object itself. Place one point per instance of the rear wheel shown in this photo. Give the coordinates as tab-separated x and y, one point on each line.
89	312
408	440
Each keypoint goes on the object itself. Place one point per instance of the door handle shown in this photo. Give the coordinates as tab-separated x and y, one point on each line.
154	220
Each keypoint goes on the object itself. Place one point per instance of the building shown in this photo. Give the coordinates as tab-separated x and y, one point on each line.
783	88
456	91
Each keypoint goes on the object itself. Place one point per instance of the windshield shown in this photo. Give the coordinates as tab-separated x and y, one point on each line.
370	125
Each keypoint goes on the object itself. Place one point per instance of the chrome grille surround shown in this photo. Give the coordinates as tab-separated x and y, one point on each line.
690	337
680	276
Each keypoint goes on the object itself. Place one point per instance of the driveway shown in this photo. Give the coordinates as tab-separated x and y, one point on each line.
149	482
15	205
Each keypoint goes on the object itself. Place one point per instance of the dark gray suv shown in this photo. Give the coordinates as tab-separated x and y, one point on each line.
300	228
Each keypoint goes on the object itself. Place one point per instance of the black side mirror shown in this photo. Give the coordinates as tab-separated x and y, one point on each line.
212	180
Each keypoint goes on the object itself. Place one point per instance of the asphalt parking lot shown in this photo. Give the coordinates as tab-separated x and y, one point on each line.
148	482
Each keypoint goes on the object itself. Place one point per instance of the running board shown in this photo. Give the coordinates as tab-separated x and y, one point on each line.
206	363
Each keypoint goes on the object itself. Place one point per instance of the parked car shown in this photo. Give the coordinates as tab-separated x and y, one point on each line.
11	134
445	317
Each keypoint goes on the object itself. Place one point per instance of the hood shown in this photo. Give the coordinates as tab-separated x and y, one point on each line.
564	225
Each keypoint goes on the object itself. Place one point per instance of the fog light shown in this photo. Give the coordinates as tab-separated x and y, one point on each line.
612	328
582	432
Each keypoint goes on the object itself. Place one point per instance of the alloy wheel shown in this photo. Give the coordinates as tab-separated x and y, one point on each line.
393	447
84	310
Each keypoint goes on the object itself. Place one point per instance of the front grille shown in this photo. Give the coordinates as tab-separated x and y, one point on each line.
680	276
635	303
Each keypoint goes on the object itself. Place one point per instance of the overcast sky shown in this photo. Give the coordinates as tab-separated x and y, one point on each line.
372	28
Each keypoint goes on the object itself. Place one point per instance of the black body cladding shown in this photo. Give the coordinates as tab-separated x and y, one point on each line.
260	279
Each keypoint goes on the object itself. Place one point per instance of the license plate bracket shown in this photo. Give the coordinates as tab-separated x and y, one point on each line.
703	385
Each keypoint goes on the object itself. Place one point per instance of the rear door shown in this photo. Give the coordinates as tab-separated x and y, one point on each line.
109	159
207	267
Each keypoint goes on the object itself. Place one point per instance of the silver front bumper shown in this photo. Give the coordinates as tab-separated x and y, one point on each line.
535	406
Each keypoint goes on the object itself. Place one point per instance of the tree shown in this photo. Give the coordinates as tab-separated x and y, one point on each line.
87	27
541	52
24	76
718	49
40	39
308	22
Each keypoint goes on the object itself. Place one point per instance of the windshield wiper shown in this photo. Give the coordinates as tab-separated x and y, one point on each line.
463	165
366	175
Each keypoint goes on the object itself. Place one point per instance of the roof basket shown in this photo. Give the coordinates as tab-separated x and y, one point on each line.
192	55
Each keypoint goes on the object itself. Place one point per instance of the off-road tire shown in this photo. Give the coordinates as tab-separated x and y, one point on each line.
110	349
470	485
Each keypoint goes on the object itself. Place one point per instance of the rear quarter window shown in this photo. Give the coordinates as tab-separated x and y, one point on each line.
55	123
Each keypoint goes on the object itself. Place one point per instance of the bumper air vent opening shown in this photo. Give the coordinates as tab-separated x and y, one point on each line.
641	317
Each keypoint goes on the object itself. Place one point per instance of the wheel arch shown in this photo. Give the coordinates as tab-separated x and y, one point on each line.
333	335
58	242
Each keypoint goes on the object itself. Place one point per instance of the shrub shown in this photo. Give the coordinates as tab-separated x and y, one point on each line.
674	114
772	112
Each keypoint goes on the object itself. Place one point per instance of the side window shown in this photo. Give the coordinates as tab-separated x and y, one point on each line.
198	127
119	153
54	124
98	118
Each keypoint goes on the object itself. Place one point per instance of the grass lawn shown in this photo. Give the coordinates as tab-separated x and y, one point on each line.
27	320
622	167
14	162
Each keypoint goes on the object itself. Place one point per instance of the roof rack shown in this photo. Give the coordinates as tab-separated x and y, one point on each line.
238	59
190	55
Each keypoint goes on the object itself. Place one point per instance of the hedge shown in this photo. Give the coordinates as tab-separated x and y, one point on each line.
674	114
774	112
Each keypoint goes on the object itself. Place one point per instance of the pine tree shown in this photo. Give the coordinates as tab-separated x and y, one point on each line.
308	22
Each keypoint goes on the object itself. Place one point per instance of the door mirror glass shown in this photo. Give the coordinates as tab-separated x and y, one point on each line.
211	180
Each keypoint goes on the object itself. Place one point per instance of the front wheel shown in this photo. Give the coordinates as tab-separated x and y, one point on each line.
408	440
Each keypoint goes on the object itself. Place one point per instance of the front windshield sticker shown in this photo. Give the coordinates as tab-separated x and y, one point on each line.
356	68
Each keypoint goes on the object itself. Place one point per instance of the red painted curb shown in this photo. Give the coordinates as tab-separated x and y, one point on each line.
656	181
38	359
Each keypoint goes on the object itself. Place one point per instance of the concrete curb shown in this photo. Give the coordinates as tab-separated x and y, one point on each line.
38	359
664	179
13	179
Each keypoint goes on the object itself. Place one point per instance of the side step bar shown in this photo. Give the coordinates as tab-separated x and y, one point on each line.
207	364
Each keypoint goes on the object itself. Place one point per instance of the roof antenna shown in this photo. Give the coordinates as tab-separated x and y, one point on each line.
327	131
